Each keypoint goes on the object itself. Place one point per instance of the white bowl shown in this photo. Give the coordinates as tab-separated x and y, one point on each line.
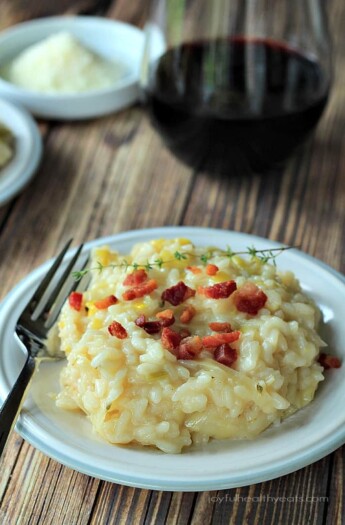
112	40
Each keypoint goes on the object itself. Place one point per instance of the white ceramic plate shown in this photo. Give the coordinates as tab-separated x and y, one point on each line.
28	150
115	41
300	440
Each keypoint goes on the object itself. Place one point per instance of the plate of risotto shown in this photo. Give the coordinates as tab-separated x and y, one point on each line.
196	359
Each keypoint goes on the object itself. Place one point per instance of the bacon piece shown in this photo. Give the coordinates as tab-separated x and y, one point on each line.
104	303
150	327
75	300
178	293
225	355
329	361
187	314
250	299
117	330
190	347
184	353
166	317
220	327
135	278
140	290
219	290
211	269
212	341
194	269
171	340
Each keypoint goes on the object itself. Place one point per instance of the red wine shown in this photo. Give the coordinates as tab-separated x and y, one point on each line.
230	105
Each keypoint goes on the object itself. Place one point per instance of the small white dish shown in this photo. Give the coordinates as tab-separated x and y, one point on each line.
114	41
301	439
27	154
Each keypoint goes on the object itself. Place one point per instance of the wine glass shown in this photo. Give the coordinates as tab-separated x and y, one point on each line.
236	85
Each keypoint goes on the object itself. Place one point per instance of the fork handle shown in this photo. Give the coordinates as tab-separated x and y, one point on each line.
11	407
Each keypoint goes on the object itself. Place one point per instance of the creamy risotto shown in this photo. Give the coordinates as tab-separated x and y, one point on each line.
170	347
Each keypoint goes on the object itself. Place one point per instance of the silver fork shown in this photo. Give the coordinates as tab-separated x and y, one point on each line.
32	329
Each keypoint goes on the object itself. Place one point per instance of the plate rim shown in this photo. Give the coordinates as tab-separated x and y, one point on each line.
303	458
32	160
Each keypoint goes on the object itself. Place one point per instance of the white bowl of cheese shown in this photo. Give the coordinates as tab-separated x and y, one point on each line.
71	67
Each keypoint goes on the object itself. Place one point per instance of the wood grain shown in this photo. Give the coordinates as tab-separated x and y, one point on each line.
113	174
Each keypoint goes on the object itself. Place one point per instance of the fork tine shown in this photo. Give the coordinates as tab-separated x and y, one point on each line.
51	316
76	283
38	294
57	289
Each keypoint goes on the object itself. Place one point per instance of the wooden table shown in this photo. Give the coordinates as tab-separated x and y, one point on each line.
113	174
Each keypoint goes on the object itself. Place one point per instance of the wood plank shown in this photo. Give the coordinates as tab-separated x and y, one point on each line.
46	492
104	176
204	507
5	210
158	508
135	13
73	156
16	11
296	498
7	463
181	508
88	165
336	502
117	504
300	206
92	174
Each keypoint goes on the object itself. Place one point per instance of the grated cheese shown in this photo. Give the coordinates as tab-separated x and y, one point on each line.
61	64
